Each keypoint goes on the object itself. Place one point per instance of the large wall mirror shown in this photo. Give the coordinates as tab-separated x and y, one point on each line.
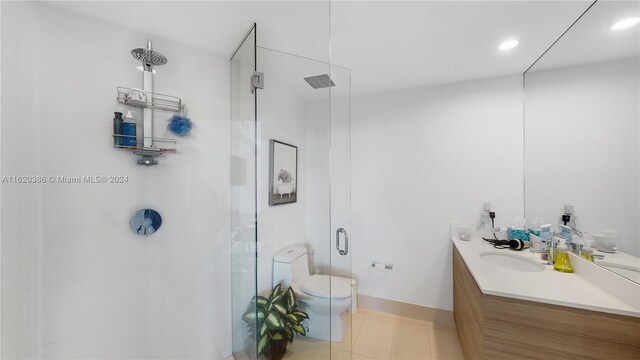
582	134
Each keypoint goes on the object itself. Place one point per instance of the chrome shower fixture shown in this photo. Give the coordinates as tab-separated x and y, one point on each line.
320	81
148	57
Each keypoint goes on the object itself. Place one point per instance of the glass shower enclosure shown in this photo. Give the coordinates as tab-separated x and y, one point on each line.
290	189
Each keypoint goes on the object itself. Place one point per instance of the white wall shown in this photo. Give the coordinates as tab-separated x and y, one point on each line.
76	282
583	147
421	158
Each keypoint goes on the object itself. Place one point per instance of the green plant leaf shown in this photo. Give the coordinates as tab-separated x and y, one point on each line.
276	298
280	308
252	316
262	343
291	300
275	292
261	301
289	332
249	317
278	336
274	321
300	314
263	329
299	329
293	318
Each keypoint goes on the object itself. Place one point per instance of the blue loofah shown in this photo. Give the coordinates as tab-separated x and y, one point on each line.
180	125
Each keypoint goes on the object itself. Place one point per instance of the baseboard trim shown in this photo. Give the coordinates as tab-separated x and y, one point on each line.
418	312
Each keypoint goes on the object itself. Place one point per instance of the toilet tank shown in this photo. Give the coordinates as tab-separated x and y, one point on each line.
290	266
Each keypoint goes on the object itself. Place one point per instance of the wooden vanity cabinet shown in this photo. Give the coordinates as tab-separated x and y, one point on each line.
496	327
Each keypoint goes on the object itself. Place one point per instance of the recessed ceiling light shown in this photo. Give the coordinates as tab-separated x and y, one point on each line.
509	44
626	23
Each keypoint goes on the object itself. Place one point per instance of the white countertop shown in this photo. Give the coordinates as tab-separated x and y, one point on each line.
547	286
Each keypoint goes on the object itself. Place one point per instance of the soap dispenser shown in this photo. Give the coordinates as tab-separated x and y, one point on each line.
587	253
562	262
565	233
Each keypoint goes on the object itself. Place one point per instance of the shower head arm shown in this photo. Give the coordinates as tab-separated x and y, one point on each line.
146	66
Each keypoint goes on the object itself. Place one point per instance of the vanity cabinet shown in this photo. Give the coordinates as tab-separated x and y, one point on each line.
496	327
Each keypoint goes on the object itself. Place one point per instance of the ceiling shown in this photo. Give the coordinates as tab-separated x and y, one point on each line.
392	45
389	45
591	39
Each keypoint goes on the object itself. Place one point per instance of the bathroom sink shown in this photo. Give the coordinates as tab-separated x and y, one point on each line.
511	261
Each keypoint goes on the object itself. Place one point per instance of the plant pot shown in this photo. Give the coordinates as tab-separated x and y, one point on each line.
277	349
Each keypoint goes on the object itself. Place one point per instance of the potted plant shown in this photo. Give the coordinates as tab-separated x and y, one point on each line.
275	319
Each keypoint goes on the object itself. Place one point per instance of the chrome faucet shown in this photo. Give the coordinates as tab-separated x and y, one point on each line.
549	250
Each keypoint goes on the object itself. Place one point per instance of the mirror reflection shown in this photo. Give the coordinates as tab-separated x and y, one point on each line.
582	136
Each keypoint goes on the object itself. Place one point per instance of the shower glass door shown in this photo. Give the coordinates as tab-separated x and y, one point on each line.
243	198
340	169
301	199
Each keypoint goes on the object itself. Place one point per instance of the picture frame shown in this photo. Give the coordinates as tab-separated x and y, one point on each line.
283	173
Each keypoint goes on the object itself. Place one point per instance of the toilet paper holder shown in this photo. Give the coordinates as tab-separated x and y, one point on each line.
386	266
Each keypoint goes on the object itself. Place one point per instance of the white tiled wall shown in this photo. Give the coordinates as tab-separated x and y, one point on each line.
76	282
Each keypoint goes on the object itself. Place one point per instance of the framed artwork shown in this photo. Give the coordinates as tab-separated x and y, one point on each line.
283	173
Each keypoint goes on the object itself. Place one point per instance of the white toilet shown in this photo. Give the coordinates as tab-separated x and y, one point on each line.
325	308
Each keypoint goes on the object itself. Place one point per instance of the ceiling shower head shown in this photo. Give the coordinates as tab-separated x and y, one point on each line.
148	56
320	81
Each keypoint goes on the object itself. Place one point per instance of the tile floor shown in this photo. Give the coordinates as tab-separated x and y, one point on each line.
379	335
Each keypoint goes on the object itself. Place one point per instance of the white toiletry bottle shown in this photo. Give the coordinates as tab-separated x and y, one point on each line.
130	117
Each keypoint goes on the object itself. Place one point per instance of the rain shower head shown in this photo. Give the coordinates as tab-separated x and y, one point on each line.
148	56
319	81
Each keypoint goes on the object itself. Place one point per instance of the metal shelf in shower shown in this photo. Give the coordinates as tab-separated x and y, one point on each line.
158	101
160	145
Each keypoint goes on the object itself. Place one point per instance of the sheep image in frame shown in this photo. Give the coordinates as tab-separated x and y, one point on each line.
283	173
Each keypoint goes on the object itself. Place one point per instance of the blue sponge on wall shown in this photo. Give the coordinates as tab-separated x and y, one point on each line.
180	125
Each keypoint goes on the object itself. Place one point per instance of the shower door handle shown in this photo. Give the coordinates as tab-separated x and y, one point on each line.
346	241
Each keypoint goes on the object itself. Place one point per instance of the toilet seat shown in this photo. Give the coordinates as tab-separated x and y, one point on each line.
318	286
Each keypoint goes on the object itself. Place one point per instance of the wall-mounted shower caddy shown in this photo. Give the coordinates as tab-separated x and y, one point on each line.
148	147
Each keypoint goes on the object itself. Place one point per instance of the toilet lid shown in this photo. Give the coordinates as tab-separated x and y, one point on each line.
318	286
